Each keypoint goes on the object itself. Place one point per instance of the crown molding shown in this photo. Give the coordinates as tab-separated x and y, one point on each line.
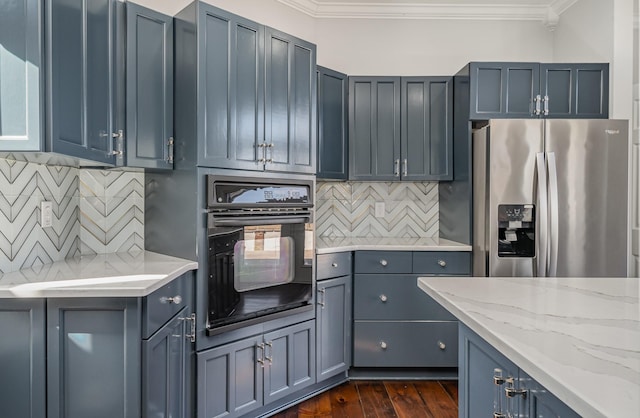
547	14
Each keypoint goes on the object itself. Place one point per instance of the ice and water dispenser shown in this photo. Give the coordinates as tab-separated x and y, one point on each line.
516	231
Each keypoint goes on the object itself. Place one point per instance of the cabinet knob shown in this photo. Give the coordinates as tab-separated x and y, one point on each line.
442	263
441	345
334	264
383	298
383	262
176	300
383	345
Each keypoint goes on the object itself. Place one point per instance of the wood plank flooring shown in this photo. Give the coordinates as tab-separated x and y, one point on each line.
382	399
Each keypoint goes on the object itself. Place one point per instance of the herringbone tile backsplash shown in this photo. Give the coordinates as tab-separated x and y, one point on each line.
94	211
347	209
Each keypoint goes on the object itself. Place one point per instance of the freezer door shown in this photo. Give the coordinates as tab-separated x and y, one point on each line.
504	173
589	226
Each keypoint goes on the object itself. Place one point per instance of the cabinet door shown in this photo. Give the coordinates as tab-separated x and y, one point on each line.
81	78
290	360
333	327
427	128
21	73
22	358
149	94
333	146
290	103
477	363
230	379
374	128
503	90
230	90
93	362
164	370
540	403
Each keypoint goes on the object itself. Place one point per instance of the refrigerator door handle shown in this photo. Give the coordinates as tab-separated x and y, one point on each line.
553	214
542	215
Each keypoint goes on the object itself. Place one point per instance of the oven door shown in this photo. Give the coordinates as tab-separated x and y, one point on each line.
258	266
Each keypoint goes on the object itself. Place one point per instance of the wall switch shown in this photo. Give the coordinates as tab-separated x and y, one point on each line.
46	214
379	209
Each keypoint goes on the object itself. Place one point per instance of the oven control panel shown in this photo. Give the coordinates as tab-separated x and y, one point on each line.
258	194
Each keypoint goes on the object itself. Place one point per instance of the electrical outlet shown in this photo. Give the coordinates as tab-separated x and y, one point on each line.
46	214
379	210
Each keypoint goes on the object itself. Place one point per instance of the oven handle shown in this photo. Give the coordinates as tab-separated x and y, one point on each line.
261	220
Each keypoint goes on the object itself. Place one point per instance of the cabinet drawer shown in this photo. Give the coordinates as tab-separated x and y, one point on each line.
382	262
405	344
442	262
333	265
394	297
158	308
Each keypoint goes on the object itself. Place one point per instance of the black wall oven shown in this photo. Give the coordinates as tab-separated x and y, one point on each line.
261	250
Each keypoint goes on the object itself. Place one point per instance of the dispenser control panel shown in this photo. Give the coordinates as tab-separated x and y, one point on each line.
516	230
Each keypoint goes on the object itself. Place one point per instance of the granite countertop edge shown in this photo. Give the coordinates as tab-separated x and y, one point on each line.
135	274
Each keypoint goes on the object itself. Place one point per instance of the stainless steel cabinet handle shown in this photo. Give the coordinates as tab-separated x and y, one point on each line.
442	263
176	300
396	169
441	345
260	358
321	301
546	105
537	101
383	298
405	167
170	144
269	357
383	345
383	263
512	392
334	264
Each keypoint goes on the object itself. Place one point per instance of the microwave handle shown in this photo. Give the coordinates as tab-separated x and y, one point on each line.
261	220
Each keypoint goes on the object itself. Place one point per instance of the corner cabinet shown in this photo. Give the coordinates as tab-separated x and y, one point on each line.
333	315
401	128
532	90
103	349
255	89
489	383
333	140
239	377
149	89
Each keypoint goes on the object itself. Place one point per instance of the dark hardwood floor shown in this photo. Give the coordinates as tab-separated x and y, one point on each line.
365	398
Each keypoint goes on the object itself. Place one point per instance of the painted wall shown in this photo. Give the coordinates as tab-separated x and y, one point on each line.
94	212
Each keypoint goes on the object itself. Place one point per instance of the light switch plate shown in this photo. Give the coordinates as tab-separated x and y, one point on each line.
379	210
46	214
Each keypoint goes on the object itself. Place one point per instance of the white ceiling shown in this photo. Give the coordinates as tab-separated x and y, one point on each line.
547	11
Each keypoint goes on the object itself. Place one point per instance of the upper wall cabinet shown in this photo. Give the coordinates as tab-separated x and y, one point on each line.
149	90
21	75
532	90
333	142
400	128
255	90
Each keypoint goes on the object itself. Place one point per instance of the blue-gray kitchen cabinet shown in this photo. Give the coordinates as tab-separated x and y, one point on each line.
237	378
290	103
333	314
333	140
21	75
374	128
401	128
149	88
81	80
395	326
486	376
22	358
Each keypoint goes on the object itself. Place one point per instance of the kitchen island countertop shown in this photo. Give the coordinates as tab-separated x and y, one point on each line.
325	245
578	337
133	274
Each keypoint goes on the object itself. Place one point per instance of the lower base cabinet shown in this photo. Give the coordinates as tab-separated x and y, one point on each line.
486	377
237	378
101	358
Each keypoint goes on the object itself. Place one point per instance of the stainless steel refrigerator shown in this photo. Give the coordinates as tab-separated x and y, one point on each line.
550	198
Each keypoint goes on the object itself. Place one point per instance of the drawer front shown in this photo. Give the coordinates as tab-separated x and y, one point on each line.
333	265
382	262
158	308
394	297
405	344
442	262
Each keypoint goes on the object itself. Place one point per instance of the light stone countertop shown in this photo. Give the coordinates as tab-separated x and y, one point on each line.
105	275
578	337
326	245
